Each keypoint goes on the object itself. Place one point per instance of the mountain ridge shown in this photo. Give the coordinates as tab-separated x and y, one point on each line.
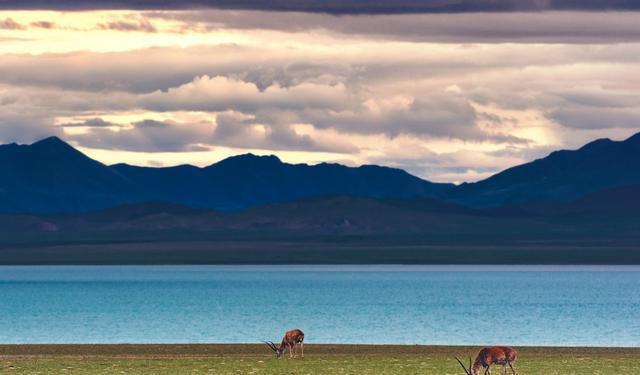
52	176
561	176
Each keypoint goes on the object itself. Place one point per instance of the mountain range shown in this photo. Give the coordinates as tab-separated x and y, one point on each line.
58	206
50	176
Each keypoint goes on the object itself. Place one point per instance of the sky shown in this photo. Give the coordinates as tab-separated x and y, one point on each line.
449	90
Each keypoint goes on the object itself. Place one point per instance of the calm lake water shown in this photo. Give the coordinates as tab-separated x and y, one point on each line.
582	306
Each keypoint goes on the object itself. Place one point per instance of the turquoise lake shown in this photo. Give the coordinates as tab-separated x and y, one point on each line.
515	305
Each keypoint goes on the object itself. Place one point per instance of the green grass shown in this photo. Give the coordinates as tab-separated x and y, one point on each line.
319	359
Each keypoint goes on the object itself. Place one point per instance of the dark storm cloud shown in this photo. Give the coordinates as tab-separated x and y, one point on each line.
335	6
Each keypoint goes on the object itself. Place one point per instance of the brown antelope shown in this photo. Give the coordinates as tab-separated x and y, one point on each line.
495	355
290	340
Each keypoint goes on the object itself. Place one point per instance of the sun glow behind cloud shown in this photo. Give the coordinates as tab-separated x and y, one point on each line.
102	31
445	100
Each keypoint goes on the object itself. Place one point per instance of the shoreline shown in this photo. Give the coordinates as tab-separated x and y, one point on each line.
358	267
317	252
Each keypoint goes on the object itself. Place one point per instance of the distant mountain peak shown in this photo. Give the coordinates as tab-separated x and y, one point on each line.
54	145
634	138
605	142
249	159
600	141
562	176
52	140
252	156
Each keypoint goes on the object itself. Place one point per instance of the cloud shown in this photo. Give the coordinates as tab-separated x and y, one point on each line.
366	88
142	25
146	136
456	166
326	106
155	163
25	128
377	90
439	115
229	130
163	67
584	117
594	107
92	122
222	93
43	24
239	131
10	24
370	63
169	67
334	6
370	93
513	27
4	39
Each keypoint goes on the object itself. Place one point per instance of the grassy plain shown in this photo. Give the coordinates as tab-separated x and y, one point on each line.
319	359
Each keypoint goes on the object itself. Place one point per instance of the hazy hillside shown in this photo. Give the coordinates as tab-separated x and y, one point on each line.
328	230
417	219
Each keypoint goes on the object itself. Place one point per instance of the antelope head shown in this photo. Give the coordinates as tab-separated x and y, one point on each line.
470	370
279	352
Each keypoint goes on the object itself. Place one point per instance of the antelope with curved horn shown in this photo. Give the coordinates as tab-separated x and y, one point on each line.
495	355
290	340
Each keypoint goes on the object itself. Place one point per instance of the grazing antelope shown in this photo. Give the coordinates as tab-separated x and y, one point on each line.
498	355
290	340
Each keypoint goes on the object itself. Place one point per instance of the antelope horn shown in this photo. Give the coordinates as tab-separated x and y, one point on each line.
271	345
275	347
465	369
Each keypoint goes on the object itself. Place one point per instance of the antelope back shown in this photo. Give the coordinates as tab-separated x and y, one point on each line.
496	354
510	353
294	336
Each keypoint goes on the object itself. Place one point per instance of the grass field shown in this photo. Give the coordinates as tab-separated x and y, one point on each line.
319	359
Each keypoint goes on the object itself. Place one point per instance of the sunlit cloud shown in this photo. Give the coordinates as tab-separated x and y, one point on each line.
9	24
